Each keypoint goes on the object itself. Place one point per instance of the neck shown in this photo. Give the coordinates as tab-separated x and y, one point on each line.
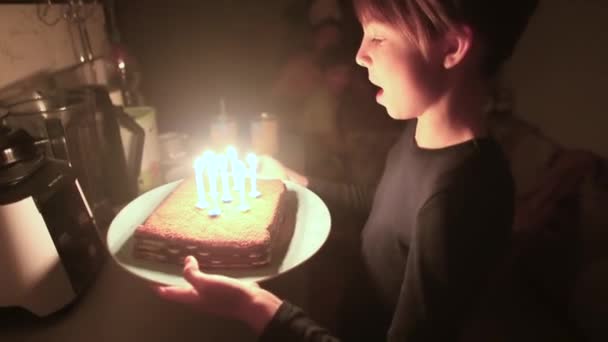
455	117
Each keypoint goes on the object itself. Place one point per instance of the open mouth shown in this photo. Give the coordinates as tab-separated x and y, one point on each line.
379	93
379	90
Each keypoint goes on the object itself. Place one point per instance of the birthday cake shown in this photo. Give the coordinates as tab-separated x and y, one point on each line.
231	238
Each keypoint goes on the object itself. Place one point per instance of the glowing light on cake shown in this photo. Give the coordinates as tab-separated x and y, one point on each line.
223	169
218	169
252	160
232	158
240	171
200	184
211	165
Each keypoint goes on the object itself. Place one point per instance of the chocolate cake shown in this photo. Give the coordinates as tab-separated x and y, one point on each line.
234	239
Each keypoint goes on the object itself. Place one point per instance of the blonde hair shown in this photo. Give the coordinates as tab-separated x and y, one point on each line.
497	25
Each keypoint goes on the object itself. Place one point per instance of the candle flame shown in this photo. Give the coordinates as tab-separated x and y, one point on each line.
252	159
198	162
231	152
208	155
222	162
217	167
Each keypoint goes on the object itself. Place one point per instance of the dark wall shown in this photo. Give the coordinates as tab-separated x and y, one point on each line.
194	51
191	53
560	72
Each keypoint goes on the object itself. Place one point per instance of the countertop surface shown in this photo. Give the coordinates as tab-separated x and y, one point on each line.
120	307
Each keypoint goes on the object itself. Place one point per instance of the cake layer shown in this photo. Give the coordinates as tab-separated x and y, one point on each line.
175	254
176	228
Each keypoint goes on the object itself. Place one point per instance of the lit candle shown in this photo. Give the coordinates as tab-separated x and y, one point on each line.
223	169
200	184
232	158
240	173
211	166
252	160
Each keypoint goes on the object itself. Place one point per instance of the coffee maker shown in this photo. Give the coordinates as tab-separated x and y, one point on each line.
50	248
81	126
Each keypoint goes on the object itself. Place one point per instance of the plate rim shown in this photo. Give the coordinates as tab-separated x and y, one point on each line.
134	270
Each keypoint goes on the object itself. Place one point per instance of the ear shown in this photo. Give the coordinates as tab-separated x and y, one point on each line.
457	45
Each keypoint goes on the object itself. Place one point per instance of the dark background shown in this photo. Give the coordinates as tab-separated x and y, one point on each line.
193	52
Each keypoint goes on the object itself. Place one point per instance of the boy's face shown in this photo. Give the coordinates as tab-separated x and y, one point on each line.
407	80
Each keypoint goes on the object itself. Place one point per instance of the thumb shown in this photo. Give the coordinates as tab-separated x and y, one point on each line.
192	272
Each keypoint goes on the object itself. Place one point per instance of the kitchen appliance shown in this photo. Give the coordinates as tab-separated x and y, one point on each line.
150	175
175	155
64	127
50	248
121	139
81	127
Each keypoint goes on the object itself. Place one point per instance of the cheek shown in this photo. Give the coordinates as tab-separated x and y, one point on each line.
408	97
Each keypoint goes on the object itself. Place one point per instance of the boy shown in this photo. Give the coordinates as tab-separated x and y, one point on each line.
441	217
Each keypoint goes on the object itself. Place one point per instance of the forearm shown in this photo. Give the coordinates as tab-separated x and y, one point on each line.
259	309
356	197
272	319
291	324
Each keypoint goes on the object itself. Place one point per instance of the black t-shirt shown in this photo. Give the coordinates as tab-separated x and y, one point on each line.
440	223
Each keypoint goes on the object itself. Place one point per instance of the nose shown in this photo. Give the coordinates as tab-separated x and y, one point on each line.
362	58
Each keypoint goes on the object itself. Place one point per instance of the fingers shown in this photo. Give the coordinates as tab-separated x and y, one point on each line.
199	279
192	272
186	295
177	294
190	262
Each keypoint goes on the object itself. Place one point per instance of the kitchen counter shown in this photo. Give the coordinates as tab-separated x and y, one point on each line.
121	307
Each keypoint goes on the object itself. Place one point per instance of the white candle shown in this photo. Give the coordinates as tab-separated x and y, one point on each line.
211	166
223	169
200	184
252	160
240	173
232	158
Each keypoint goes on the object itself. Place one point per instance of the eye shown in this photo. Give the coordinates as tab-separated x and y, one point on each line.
376	39
372	35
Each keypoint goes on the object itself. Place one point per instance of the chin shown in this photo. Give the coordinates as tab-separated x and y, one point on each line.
398	114
393	115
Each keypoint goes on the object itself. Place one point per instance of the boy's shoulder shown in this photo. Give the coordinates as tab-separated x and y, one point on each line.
484	170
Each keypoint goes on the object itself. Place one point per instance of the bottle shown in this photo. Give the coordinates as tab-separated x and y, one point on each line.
224	129
264	132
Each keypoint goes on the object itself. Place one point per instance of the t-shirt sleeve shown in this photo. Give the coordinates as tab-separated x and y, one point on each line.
353	197
290	323
460	237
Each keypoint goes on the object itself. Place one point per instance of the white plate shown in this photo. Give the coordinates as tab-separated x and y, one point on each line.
311	229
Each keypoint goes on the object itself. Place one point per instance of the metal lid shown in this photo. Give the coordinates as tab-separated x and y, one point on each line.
57	103
19	157
16	146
